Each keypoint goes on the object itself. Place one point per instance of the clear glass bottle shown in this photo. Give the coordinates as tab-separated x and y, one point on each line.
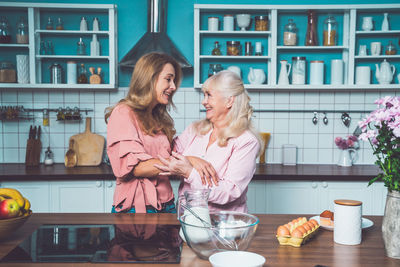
49	25
311	35
5	37
42	49
60	24
290	33
82	78
81	47
390	49
45	117
22	32
216	50
214	69
330	31
48	158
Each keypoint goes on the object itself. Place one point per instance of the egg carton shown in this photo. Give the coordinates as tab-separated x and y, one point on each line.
296	241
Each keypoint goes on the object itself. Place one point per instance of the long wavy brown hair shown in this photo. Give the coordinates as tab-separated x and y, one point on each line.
142	93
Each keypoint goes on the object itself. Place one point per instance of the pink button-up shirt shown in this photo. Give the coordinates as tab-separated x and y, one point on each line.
127	145
234	163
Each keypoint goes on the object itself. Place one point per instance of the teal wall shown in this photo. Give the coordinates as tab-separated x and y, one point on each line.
132	22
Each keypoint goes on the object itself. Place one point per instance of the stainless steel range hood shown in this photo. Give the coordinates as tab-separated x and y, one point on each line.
155	39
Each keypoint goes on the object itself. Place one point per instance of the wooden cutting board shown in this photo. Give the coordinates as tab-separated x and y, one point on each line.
88	146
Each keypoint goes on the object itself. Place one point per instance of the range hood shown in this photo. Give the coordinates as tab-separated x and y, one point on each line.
155	39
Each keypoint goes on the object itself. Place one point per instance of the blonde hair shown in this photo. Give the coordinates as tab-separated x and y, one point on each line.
142	93
238	119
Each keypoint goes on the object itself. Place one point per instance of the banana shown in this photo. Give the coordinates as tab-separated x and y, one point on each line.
27	204
14	194
2	198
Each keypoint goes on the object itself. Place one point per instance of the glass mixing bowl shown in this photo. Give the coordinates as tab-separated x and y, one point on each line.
227	228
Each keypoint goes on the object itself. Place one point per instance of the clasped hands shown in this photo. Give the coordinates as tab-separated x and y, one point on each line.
180	165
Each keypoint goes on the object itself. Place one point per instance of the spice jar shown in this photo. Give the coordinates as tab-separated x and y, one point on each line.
390	49
216	50
214	69
261	23
49	25
60	24
290	33
311	35
5	37
22	32
330	31
45	117
7	72
233	48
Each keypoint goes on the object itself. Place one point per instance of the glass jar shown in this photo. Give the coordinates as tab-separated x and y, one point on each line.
390	49
290	33
48	157
7	72
45	117
22	31
311	35
233	48
214	69
81	48
298	70
216	51
60	24
5	37
49	25
261	23
82	78
330	31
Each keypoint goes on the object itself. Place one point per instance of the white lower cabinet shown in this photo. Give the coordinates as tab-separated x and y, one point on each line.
109	187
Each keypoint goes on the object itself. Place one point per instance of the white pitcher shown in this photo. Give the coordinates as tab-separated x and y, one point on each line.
347	157
284	73
384	73
256	76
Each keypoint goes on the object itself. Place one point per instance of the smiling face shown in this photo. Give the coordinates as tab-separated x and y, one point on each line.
165	85
217	106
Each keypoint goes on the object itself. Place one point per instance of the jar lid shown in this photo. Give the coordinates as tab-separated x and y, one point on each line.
298	58
317	61
261	17
228	15
348	202
232	42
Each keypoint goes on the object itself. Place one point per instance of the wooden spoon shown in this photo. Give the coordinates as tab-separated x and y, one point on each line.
70	159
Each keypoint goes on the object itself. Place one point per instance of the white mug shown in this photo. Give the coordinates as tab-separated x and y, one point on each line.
213	24
362	51
348	222
376	48
337	71
363	75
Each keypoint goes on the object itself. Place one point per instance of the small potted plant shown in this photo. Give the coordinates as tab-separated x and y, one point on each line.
348	150
381	128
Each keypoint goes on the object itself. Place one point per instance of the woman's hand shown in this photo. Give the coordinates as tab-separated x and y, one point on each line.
175	165
205	169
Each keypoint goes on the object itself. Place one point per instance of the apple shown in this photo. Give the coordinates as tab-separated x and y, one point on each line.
9	208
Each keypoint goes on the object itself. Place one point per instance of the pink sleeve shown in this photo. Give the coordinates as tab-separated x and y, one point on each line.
183	140
240	171
124	147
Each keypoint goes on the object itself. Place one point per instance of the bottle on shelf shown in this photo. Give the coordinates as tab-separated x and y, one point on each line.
258	49
311	35
60	24
96	24
83	25
214	69
216	50
390	49
385	22
290	33
82	78
5	36
81	48
330	31
42	49
94	46
22	32
49	25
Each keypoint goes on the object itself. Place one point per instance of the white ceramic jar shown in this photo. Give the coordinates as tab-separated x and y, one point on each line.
347	224
317	72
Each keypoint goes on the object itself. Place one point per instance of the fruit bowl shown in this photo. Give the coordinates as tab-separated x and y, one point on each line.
227	228
8	226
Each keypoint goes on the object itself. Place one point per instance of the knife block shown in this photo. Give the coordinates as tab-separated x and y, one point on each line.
33	149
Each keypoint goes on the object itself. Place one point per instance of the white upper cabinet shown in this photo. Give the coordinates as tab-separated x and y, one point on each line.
331	63
51	56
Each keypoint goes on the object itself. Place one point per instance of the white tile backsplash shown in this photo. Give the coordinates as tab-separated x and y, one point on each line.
315	143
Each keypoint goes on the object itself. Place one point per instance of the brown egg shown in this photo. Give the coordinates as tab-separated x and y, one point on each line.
311	225
302	229
314	222
297	233
307	227
282	231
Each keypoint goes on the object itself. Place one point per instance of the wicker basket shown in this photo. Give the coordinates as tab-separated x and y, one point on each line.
8	226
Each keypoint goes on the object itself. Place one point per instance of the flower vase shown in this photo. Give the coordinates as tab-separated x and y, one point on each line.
347	157
391	225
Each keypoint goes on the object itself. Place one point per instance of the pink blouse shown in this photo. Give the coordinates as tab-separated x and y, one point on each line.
127	145
234	163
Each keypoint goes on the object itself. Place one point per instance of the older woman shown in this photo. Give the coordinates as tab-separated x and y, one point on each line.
225	139
139	129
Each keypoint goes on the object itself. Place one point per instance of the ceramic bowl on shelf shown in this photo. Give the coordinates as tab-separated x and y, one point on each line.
9	226
227	228
243	21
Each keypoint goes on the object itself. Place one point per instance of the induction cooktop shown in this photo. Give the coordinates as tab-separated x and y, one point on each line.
123	243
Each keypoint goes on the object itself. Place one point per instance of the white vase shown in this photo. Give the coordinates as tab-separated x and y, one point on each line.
385	22
22	68
346	157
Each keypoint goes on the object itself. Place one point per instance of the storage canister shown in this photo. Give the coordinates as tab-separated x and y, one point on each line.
7	72
348	219
337	71
71	72
330	31
290	33
298	70
261	23
213	24
56	73
233	48
317	72
228	22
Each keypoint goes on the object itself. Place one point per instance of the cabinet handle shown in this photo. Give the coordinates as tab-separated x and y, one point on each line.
324	184
110	184
98	184
314	185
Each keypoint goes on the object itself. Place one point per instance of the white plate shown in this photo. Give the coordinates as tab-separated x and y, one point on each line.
365	223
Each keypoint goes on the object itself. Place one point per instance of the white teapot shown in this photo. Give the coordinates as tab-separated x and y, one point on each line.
256	76
384	73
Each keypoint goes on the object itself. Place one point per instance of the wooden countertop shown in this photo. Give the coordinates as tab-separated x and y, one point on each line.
321	250
316	172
